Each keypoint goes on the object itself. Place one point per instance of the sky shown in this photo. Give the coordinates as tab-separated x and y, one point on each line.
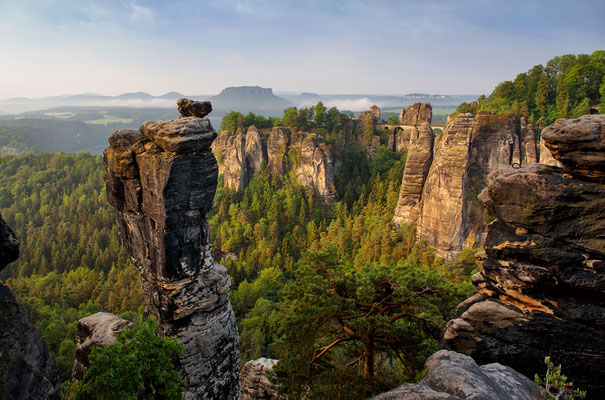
324	46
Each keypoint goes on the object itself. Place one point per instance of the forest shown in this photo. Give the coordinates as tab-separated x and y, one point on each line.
275	239
350	304
568	86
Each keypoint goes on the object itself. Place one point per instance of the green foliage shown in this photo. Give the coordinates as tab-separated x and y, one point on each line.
320	114
338	317
138	366
71	263
567	87
234	120
393	120
368	130
555	385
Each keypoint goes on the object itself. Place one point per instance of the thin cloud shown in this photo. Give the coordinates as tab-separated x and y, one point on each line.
140	13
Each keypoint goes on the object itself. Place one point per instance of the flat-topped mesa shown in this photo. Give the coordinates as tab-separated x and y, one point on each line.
542	287
162	184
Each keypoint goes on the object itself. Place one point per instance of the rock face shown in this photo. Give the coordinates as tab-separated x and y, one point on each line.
453	376
255	383
27	369
241	156
443	202
542	288
96	330
418	162
416	114
162	187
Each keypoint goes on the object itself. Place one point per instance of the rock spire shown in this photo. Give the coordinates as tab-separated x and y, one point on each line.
162	182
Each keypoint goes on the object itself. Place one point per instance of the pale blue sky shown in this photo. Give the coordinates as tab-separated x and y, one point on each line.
199	47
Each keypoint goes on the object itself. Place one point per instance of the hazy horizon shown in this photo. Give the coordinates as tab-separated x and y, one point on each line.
345	47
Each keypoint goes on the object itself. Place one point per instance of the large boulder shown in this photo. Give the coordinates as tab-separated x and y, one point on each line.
255	380
162	188
453	376
96	330
542	286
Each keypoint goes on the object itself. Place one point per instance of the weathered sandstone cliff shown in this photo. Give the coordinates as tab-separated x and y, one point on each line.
542	288
162	185
443	202
27	369
416	114
241	156
418	162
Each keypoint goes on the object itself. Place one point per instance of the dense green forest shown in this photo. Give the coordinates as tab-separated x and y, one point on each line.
72	263
350	304
569	86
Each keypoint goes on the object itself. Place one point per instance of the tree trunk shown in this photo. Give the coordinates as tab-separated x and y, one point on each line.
369	357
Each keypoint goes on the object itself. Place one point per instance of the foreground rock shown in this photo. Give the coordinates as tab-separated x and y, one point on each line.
27	368
96	330
542	288
162	187
453	376
255	381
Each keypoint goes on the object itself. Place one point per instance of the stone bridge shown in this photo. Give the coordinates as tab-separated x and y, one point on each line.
396	127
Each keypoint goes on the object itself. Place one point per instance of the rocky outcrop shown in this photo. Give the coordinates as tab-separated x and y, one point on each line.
316	166
96	330
27	368
441	218
399	137
278	143
542	288
255	151
416	114
417	164
255	380
230	151
240	157
191	108
443	203
453	376
162	186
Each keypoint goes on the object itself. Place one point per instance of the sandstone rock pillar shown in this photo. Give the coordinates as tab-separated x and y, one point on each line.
162	182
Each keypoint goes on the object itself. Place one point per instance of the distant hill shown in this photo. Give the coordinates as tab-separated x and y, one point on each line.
73	129
249	99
